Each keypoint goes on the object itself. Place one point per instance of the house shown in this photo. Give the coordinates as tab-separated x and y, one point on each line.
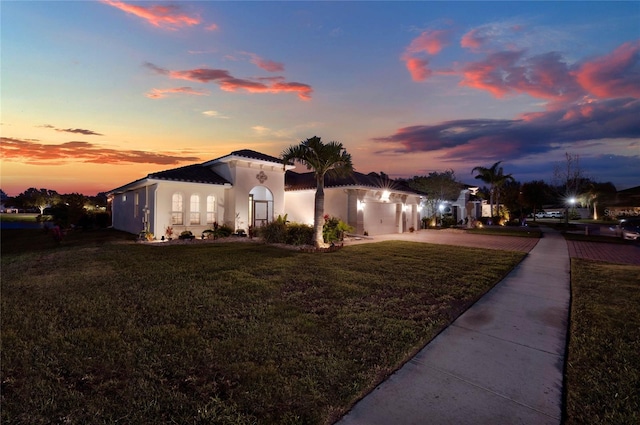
370	203
247	188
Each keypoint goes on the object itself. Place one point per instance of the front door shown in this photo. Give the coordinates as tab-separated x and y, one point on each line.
261	213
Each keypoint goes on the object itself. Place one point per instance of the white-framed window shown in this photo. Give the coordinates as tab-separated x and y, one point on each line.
194	211
136	204
177	209
211	209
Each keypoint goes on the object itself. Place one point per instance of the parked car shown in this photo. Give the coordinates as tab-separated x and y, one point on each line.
549	214
628	228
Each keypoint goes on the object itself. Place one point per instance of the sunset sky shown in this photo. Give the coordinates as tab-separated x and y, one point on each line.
95	94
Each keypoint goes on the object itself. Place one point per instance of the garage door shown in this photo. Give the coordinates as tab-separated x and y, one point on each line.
380	218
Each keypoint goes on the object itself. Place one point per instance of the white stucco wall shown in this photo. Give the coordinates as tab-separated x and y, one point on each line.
245	175
299	206
163	206
375	216
130	209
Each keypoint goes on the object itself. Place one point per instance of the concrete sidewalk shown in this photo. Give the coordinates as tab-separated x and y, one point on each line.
501	362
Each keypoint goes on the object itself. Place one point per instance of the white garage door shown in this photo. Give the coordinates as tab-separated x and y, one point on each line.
380	218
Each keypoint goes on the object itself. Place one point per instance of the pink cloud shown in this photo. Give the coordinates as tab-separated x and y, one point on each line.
544	76
267	65
614	75
418	68
160	93
473	39
40	153
430	41
161	16
202	75
229	83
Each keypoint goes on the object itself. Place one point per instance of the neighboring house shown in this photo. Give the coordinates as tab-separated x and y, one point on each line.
248	188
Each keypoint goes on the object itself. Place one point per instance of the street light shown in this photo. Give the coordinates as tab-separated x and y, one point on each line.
572	202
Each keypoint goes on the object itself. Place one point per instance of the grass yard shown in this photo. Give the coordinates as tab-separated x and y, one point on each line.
603	362
233	333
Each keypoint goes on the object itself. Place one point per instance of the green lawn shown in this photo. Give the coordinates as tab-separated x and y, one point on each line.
14	217
102	330
234	333
603	362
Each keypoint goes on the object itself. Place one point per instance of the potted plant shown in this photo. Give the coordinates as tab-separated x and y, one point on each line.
169	232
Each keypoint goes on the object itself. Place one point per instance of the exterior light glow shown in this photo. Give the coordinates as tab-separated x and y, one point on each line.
360	205
385	196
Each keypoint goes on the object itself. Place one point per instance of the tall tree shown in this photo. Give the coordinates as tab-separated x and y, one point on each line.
569	180
494	176
38	198
535	194
438	186
324	159
595	193
500	180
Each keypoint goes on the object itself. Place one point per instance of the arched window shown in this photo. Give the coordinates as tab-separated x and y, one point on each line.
177	209
194	210
211	209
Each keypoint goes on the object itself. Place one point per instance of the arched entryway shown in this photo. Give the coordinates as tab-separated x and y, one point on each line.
260	206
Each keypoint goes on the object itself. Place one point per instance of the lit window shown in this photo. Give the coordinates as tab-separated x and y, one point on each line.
211	209
194	215
176	209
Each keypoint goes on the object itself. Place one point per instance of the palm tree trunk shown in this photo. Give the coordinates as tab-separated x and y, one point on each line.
318	213
491	203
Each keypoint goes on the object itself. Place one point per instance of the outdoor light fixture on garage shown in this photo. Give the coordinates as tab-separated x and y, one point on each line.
385	196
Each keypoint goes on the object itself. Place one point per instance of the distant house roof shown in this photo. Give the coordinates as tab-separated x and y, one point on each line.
306	181
191	173
629	196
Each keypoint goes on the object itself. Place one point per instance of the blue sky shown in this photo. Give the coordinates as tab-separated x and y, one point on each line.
99	93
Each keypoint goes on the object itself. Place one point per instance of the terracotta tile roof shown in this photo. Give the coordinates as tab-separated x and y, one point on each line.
191	173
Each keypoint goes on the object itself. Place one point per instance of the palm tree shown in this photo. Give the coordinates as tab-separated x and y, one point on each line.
499	182
324	159
491	177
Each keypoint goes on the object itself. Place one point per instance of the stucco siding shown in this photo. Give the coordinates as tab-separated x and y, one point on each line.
164	206
299	206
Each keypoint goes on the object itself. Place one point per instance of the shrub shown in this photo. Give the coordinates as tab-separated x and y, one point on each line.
274	232
299	234
223	231
186	234
448	222
334	229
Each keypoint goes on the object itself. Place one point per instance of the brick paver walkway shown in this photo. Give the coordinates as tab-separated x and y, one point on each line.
609	252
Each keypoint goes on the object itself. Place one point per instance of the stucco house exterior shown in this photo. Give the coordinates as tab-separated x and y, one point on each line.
247	188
